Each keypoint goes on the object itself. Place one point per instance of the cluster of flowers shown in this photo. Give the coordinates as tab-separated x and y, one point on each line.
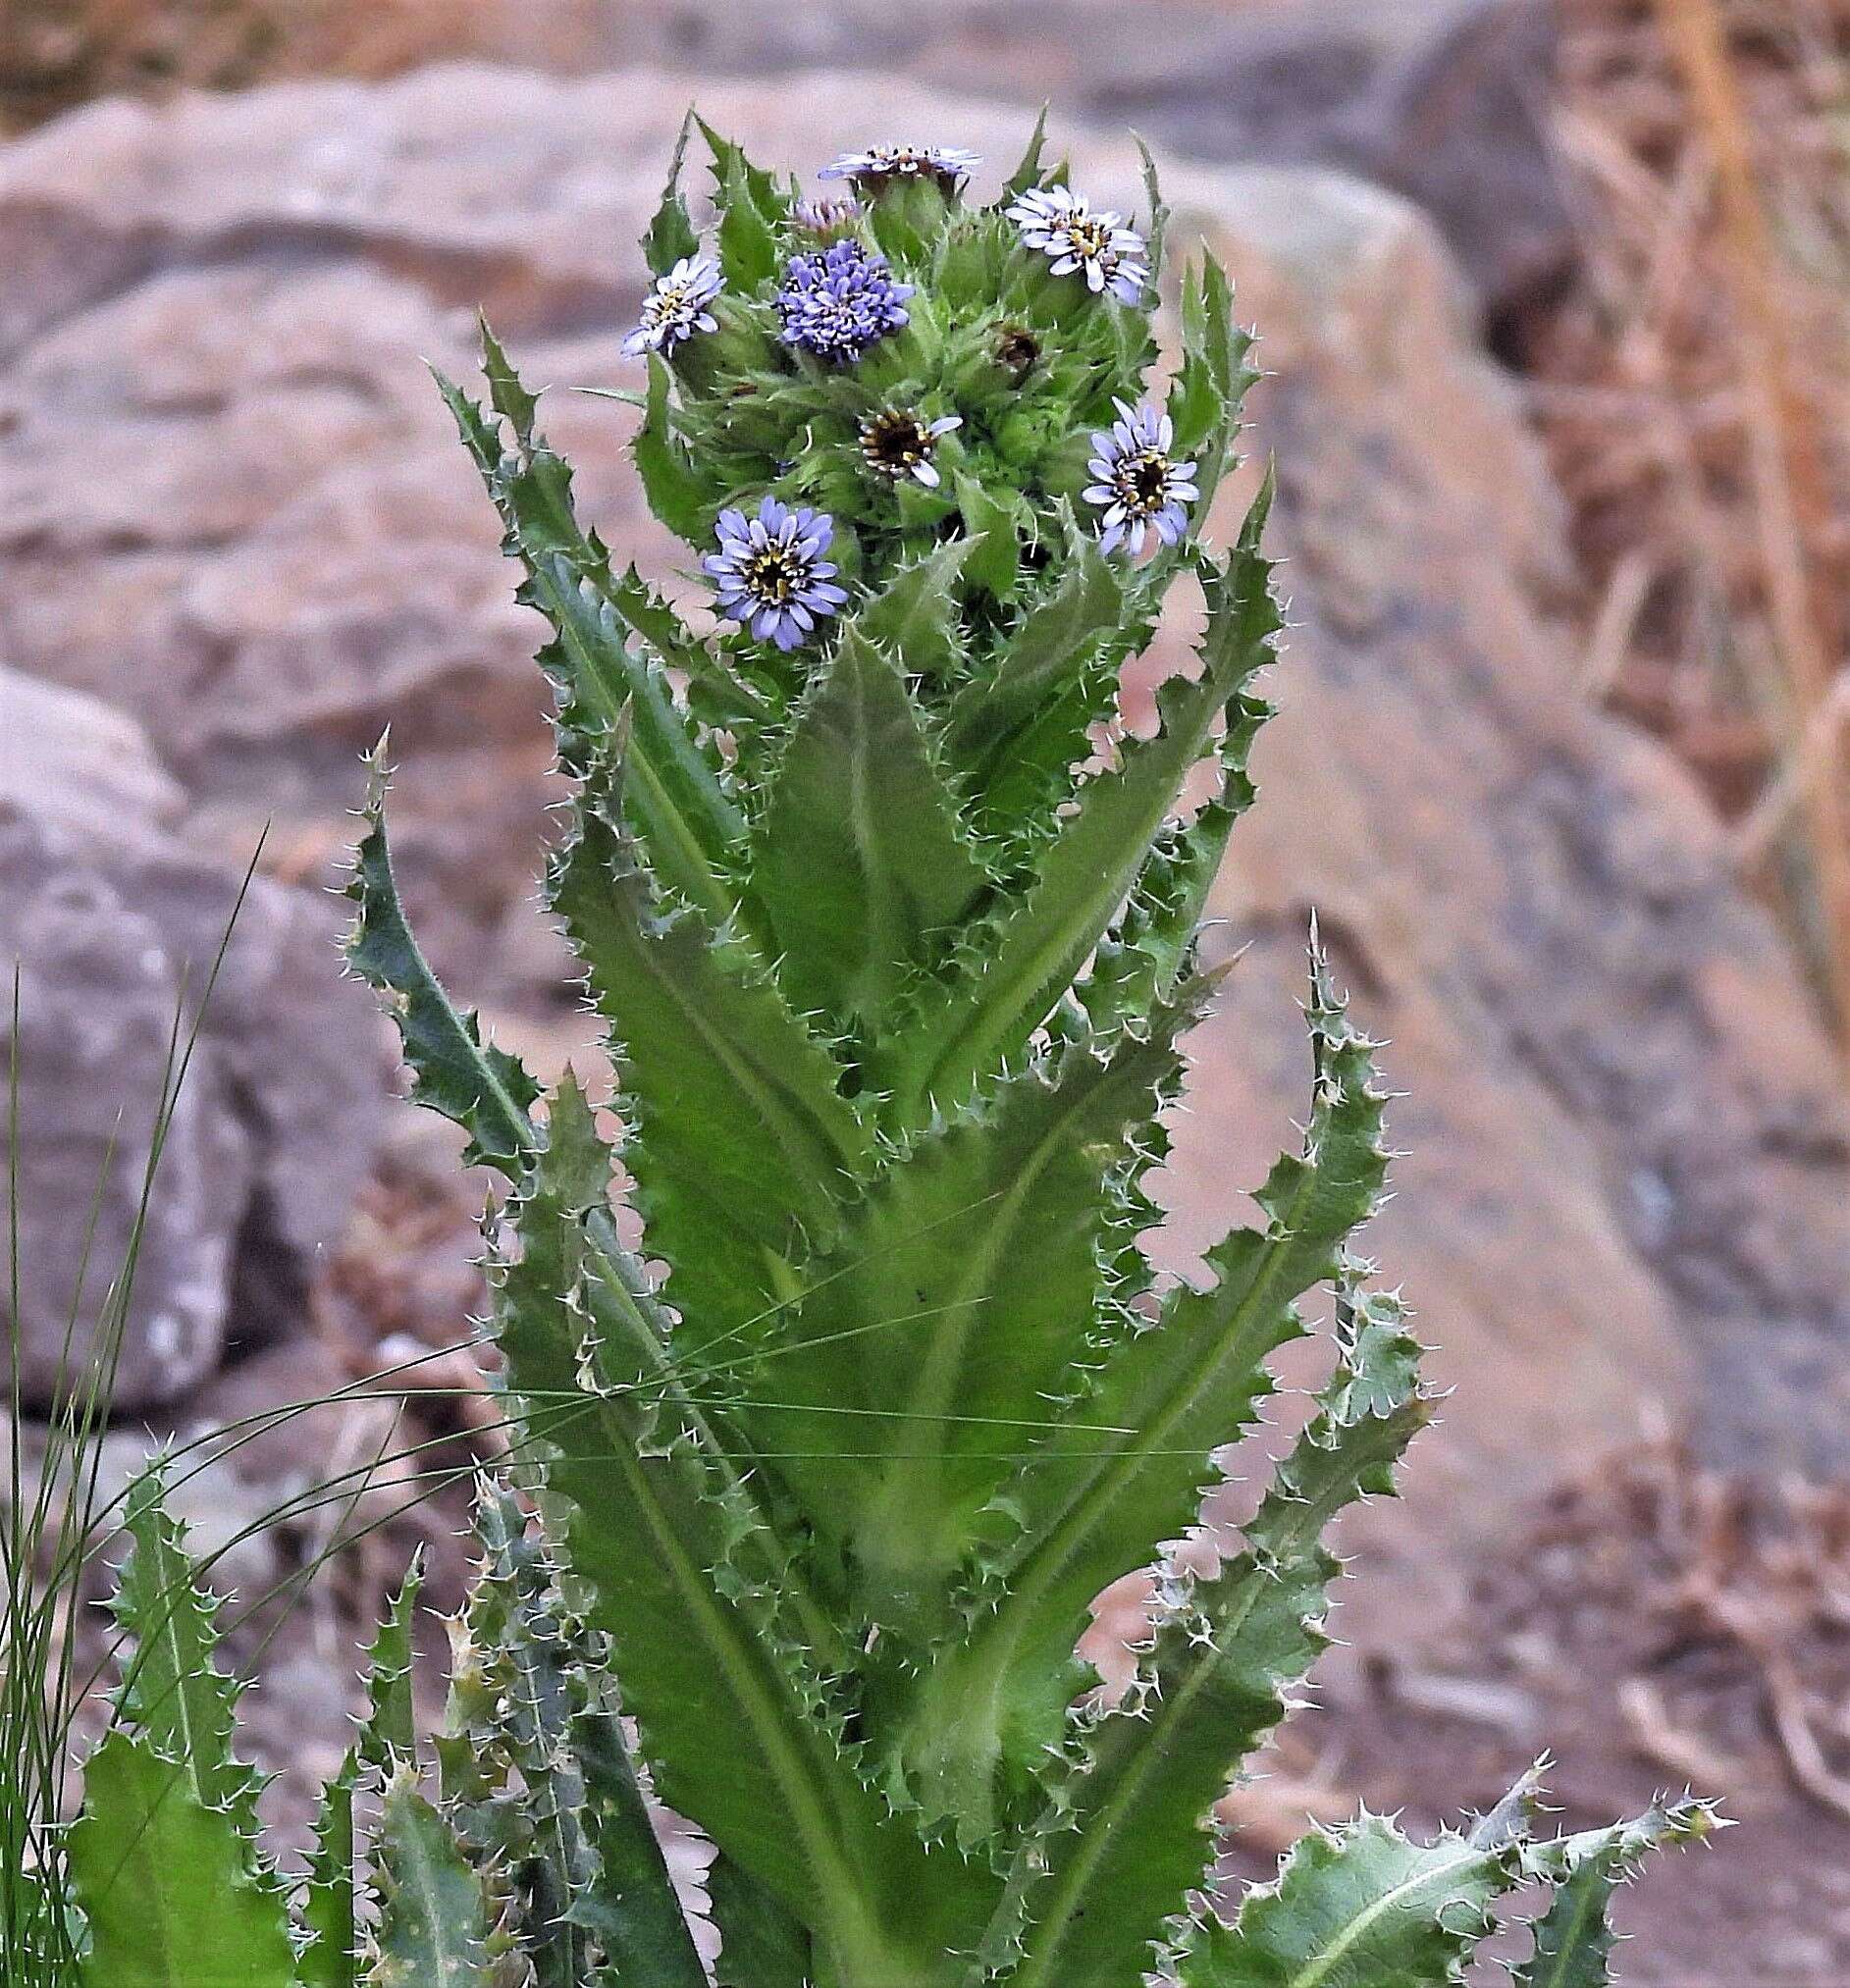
772	573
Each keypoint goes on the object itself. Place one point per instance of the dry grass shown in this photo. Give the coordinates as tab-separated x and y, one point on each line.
1695	392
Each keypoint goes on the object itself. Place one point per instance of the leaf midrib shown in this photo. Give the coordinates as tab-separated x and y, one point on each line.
815	1806
1309	1519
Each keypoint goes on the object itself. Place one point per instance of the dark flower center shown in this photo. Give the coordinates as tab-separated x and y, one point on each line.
774	573
1142	480
1017	351
895	441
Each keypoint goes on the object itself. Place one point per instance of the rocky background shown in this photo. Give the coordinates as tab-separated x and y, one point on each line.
237	541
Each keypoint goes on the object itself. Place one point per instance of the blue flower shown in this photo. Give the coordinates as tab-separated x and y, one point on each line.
896	443
837	303
1062	225
676	307
948	165
770	573
1136	482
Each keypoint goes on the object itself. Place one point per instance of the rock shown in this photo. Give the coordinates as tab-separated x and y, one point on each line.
1628	1152
1442	100
1627	1171
73	762
114	922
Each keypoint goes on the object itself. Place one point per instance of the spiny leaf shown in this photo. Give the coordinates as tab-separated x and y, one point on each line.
1089	1503
995	563
914	617
1573	1938
164	1884
1137	963
861	858
630	1903
690	830
455	1073
580	1854
1126	1842
1159	213
1212	382
690	825
1365	1905
973	1024
744	1141
521	1700
482	1089
433	1914
656	623
677	494
634	1332
389	1737
329	1898
735	178
979	1253
672	234
1018	731
748	245
1028	173
508	397
657	1536
173	1692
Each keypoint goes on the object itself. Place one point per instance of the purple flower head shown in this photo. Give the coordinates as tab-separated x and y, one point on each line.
896	443
948	165
676	307
825	218
1062	225
770	573
837	301
1135	481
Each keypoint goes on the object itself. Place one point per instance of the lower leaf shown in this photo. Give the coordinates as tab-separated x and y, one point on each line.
1365	1905
433	1922
165	1882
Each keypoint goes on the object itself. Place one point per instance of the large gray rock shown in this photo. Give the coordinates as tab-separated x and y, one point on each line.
1443	100
115	924
1630	1165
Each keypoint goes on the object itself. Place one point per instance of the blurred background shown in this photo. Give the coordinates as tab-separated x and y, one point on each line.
1554	301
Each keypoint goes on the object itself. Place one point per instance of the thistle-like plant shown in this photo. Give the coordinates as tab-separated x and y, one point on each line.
894	926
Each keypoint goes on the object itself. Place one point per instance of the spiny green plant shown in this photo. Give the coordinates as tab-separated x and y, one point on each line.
893	926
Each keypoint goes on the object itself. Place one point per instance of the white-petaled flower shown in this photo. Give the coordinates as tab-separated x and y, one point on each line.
948	165
896	443
1064	227
676	307
1135	481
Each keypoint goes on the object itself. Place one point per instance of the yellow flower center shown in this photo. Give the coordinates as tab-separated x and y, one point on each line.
1090	238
